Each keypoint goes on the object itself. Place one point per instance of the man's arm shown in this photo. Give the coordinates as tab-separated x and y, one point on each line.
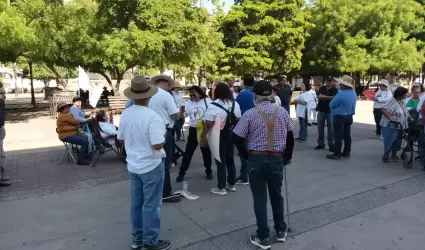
157	133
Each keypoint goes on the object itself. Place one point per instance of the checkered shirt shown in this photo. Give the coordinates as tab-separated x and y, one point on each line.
253	127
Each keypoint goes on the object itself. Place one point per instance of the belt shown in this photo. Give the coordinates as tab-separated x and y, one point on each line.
268	153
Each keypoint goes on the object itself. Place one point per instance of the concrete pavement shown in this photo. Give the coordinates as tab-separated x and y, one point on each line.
88	208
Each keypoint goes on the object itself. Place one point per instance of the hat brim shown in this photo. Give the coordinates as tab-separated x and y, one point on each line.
384	84
76	99
138	96
165	78
63	106
341	81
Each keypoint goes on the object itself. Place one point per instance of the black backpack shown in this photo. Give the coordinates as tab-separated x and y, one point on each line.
231	121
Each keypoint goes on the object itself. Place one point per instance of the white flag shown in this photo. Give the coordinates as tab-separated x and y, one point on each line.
84	83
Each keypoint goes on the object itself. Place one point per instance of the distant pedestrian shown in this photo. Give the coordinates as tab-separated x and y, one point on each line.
178	97
284	93
312	112
142	131
165	106
382	96
302	102
267	130
343	107
325	95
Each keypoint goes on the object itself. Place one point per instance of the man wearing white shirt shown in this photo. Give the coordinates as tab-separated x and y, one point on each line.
165	106
302	102
382	96
142	132
178	97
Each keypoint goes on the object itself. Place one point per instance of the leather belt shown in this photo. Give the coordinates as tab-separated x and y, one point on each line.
268	153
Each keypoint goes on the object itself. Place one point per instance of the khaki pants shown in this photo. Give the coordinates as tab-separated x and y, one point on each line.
2	155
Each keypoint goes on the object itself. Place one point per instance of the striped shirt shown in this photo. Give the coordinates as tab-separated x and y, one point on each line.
397	111
253	127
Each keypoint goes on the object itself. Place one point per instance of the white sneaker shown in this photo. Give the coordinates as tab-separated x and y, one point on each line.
231	188
218	191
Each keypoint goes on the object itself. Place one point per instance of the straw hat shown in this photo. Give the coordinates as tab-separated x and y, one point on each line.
383	82
165	78
62	105
177	85
346	80
236	84
140	89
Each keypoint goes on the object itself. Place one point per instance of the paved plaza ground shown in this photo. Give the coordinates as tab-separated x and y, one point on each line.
360	203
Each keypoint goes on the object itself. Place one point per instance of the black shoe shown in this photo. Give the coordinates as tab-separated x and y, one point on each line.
180	178
314	123
172	198
333	157
178	139
209	176
136	246
309	124
161	245
240	181
345	155
5	184
331	149
83	163
263	244
319	147
281	236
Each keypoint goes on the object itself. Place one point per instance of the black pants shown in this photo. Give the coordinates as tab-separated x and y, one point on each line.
191	145
177	130
377	114
169	151
226	169
266	172
342	131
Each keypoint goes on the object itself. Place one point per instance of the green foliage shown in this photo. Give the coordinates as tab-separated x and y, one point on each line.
364	36
265	35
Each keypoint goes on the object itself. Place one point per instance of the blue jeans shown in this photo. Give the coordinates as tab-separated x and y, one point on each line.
392	143
303	129
321	119
79	140
244	169
169	152
266	173
227	164
146	200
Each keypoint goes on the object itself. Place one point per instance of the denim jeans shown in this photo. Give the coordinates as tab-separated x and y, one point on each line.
266	172
169	152
422	147
244	169
79	140
392	142
191	145
321	119
227	165
303	129
146	200
377	114
287	107
342	131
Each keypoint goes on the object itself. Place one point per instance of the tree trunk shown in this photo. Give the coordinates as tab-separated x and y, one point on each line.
120	75
59	80
358	86
306	81
370	80
102	73
161	67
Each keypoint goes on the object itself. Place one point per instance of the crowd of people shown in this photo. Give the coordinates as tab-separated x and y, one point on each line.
253	117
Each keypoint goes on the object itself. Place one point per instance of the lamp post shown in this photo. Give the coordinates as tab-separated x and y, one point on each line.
32	85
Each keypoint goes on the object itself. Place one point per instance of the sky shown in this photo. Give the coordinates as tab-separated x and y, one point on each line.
227	3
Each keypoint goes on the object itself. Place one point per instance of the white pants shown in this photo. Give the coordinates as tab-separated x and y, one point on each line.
312	115
2	154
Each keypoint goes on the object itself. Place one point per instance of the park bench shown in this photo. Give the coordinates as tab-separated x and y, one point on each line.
117	103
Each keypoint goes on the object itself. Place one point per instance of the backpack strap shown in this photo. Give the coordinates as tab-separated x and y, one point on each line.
270	125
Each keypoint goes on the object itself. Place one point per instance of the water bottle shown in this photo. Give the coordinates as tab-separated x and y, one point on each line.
185	184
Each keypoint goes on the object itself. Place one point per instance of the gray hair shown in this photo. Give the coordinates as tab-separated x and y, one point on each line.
217	80
259	98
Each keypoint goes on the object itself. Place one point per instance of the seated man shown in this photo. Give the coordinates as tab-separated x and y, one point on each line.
108	130
68	132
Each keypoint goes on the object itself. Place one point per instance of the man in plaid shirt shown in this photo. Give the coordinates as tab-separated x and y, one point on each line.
268	130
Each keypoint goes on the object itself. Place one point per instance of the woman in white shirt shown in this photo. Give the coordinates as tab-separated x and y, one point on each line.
277	101
382	96
107	128
223	106
195	109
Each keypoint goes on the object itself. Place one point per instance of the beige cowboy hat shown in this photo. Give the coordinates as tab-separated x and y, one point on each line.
177	84
345	80
383	82
62	105
140	89
165	78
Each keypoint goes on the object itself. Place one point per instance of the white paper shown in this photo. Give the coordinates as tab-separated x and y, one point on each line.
214	139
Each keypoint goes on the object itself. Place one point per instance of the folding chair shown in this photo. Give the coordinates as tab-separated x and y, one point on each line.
101	145
69	148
